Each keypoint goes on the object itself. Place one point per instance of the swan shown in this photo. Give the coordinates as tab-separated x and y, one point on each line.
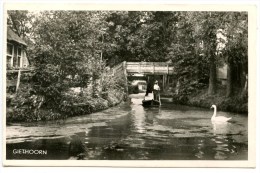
214	118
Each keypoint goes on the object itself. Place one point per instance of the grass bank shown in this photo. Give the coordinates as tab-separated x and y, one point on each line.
71	105
236	103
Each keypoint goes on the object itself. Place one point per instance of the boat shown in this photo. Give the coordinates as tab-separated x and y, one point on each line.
149	103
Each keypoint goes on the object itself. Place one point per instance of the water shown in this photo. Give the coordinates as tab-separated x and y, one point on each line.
132	132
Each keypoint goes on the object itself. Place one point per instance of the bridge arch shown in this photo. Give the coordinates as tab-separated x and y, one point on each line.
161	71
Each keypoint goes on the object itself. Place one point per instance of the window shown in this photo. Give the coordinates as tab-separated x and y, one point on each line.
19	57
9	55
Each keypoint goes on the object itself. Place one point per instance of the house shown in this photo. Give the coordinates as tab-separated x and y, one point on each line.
16	51
16	60
222	74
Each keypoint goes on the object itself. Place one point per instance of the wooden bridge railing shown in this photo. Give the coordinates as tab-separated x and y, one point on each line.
146	68
157	68
118	68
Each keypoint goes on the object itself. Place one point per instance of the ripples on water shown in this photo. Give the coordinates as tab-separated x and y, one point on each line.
130	131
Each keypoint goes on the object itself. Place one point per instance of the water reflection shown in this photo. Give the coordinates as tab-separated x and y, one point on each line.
127	132
138	115
220	127
200	147
222	141
77	147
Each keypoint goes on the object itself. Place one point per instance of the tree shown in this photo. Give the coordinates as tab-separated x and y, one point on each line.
20	22
187	51
206	26
235	52
80	43
182	52
138	36
68	52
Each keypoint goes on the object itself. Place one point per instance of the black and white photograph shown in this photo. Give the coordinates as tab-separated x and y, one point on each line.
134	84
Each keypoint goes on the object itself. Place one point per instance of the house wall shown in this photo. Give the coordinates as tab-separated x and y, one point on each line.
222	74
25	62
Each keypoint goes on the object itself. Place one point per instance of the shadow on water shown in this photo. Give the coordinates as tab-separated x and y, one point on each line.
132	132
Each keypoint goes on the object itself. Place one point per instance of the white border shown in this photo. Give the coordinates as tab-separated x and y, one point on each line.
252	70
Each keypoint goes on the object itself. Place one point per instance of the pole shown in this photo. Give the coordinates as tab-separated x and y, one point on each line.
153	68
18	80
125	74
163	83
160	98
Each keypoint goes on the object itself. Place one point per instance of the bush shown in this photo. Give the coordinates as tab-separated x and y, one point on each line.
46	97
27	115
180	99
78	105
133	89
232	104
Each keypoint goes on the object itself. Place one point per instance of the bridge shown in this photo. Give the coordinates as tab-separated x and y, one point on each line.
161	71
146	68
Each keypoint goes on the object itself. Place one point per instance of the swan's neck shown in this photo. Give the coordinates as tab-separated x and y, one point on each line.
215	112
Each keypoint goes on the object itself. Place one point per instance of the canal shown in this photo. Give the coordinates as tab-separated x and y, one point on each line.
131	132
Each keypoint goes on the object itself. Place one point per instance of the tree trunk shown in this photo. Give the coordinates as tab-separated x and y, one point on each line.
229	88
213	76
245	89
95	87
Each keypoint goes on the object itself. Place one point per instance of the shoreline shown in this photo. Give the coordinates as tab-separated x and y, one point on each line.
200	100
87	106
235	104
223	104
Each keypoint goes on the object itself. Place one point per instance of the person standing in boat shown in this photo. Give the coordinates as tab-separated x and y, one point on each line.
149	88
156	90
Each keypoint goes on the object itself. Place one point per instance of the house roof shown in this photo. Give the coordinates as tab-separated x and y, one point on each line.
12	36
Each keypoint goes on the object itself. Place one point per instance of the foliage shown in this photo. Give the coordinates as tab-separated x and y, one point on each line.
231	104
133	89
77	40
110	83
25	105
235	52
75	49
205	41
20	22
71	40
136	36
67	53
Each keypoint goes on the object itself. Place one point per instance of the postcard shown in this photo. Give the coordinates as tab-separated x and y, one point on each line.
129	85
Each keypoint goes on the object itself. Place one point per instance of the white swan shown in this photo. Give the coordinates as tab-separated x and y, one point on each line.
214	118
